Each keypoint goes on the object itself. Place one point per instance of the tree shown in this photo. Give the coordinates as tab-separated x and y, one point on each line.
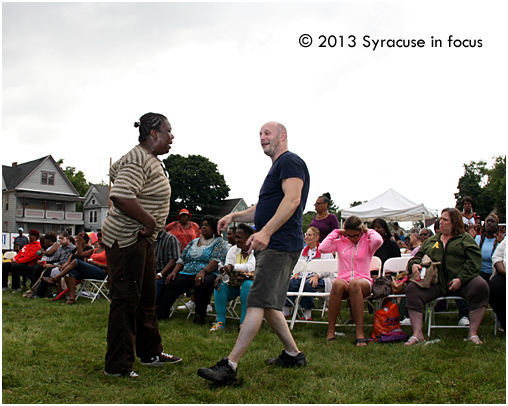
496	186
77	178
487	187
196	184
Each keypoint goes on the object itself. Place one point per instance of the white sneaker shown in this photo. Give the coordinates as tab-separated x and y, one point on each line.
209	308
406	322
464	322
190	305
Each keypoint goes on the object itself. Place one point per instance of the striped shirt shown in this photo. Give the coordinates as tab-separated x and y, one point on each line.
166	247
137	175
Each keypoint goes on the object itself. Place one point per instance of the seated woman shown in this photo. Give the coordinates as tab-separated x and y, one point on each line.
497	284
94	268
240	261
487	240
355	246
313	282
196	268
457	275
390	248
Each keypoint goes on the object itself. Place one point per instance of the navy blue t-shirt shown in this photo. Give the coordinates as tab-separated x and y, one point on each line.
289	237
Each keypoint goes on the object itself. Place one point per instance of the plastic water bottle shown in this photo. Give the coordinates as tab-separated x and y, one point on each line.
422	273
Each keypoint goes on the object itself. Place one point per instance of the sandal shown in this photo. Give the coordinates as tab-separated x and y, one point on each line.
474	339
412	340
70	301
361	342
331	339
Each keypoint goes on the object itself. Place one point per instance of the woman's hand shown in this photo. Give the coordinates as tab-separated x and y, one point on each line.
415	269
296	275
227	268
313	281
200	277
471	230
170	277
217	281
454	285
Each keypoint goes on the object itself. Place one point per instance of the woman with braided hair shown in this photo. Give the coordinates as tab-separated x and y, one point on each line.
140	196
488	240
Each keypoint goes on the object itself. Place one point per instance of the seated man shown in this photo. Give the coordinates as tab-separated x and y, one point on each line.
62	255
21	263
167	251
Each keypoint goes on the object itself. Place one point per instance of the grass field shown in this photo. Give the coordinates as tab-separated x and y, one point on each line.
54	353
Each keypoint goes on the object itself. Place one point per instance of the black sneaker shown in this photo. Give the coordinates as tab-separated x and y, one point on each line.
160	360
285	360
222	373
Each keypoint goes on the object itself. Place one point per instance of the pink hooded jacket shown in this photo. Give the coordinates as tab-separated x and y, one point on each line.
354	259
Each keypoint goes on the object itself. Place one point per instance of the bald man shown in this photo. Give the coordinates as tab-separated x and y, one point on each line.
277	245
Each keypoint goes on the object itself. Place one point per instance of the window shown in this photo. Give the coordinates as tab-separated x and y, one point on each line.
47	178
93	216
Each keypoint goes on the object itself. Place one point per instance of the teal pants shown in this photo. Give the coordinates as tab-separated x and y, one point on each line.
227	293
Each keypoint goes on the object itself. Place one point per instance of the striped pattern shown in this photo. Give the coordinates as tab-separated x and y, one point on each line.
137	175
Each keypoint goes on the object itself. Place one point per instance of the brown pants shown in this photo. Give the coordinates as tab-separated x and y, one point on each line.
476	292
133	326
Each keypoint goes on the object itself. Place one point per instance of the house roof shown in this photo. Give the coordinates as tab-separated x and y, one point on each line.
101	193
227	207
14	175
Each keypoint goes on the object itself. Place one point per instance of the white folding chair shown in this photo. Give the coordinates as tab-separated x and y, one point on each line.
431	314
392	267
93	288
318	266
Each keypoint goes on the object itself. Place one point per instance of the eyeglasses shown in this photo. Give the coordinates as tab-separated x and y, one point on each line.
352	237
424	235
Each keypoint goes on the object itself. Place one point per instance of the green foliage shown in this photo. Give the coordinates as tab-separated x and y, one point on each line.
196	184
487	187
496	186
53	353
356	203
77	178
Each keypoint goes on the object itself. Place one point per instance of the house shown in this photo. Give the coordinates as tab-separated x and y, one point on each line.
38	195
95	208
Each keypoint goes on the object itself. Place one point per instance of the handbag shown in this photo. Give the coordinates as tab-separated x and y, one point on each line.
236	278
399	283
382	287
431	273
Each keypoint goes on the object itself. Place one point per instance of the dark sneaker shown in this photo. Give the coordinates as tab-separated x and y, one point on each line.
130	374
285	360
160	360
220	374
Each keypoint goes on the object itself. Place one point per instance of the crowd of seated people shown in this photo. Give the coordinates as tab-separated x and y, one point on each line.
474	268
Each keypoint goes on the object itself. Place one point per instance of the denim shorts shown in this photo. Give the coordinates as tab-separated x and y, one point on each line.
271	278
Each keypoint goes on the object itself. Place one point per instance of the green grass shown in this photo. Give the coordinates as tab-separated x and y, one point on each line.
54	353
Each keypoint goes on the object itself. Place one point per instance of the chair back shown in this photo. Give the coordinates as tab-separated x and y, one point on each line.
375	265
395	265
322	265
300	266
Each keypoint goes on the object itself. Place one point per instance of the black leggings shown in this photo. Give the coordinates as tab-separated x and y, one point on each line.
498	297
183	284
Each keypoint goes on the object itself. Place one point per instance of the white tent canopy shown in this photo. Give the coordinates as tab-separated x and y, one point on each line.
390	206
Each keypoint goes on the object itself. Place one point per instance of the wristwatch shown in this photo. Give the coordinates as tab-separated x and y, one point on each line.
159	275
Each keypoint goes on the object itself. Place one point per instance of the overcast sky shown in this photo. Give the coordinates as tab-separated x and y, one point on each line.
76	76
